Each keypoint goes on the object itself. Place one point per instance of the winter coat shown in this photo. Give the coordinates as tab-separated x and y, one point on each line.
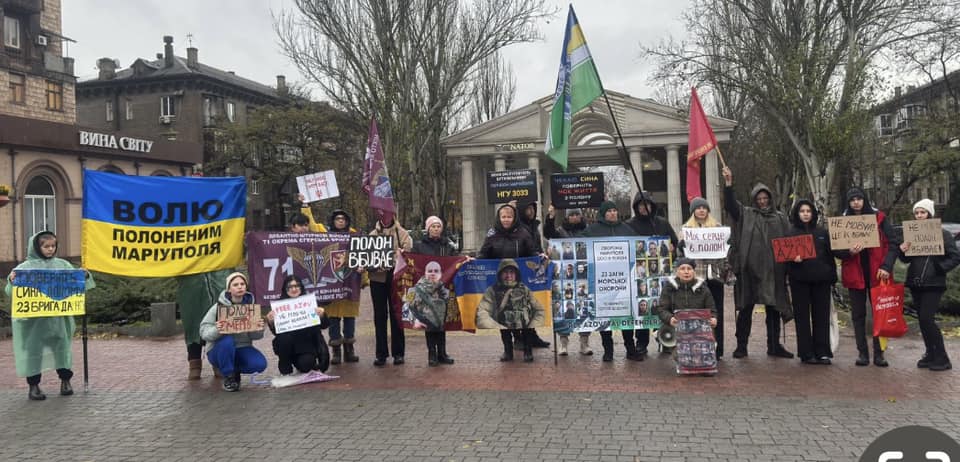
650	224
304	341
504	307
442	247
41	344
930	271
822	269
532	225
401	240
515	242
852	267
195	294
345	308
208	327
678	295
603	229
313	225
566	229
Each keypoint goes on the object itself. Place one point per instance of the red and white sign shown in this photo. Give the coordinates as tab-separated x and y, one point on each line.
318	186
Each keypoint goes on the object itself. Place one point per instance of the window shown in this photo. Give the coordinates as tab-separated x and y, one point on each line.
109	108
18	89
39	207
908	114
209	110
231	112
54	96
11	32
129	109
255	187
885	124
167	107
941	197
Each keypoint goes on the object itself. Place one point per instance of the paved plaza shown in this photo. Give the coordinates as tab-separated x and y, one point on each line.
141	407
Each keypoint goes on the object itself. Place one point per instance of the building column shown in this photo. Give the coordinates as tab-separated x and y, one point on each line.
713	186
533	163
468	205
673	187
636	161
499	163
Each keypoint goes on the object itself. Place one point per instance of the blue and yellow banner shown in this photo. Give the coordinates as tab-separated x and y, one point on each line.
477	276
162	226
40	293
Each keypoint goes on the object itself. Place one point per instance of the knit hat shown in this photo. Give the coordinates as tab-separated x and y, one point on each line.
684	261
854	193
606	205
433	219
925	204
237	275
571	212
698	202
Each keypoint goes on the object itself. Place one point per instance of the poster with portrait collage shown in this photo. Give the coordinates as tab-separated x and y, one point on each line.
608	283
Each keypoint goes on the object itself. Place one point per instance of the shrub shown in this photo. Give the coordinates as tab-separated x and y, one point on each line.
122	299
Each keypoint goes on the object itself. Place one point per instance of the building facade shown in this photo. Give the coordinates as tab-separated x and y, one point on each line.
179	99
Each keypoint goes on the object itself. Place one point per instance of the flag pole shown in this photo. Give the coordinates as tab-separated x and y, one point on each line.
723	163
623	154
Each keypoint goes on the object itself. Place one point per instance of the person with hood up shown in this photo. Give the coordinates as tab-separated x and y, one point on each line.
760	279
381	286
862	269
927	280
712	271
233	354
43	343
810	284
528	218
305	348
342	314
646	222
609	225
509	305
508	239
430	294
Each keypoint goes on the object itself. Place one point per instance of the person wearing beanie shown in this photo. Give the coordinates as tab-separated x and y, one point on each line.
233	354
712	271
434	243
760	279
509	239
927	280
342	314
381	286
610	225
647	222
810	284
861	269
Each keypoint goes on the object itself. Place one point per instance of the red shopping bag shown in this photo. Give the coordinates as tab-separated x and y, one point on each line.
887	301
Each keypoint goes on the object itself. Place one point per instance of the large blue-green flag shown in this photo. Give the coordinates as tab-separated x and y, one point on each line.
578	84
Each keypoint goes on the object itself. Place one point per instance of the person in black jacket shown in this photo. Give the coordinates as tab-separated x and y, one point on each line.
438	245
573	224
509	239
528	218
810	283
304	349
645	222
927	280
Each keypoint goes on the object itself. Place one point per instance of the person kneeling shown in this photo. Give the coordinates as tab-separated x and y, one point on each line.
232	354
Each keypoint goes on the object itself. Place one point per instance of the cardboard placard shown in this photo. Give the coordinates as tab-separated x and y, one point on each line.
371	252
291	314
574	190
785	249
318	186
925	237
41	293
239	318
507	185
848	231
706	243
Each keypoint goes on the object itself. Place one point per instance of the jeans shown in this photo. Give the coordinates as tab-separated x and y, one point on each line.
349	329
927	301
226	357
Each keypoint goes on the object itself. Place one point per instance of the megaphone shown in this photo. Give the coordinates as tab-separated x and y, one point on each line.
667	336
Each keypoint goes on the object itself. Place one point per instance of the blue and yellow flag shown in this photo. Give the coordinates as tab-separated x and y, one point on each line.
162	226
475	278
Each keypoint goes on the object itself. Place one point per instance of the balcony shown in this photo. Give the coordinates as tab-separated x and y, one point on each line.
22	6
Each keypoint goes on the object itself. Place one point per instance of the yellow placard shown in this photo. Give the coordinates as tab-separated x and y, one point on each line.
31	303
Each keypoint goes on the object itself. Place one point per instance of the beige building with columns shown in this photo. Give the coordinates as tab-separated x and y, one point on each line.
655	136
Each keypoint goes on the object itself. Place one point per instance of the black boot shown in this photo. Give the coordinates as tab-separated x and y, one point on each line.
925	360
527	353
940	362
65	388
863	358
878	359
431	350
336	355
531	337
348	352
35	394
606	340
507	340
442	355
632	353
741	351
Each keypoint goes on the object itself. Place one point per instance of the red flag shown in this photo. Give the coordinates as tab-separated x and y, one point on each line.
702	141
376	182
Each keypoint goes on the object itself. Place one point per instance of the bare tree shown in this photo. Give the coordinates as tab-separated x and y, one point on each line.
409	64
805	64
493	90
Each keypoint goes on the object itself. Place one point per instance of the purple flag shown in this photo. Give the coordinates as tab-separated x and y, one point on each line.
376	181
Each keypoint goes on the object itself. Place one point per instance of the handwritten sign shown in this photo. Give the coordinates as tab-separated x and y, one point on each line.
238	318
507	185
846	232
573	190
291	314
371	252
785	249
706	243
318	186
42	293
925	237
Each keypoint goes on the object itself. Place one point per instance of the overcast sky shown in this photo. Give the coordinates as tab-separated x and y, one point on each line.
237	35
